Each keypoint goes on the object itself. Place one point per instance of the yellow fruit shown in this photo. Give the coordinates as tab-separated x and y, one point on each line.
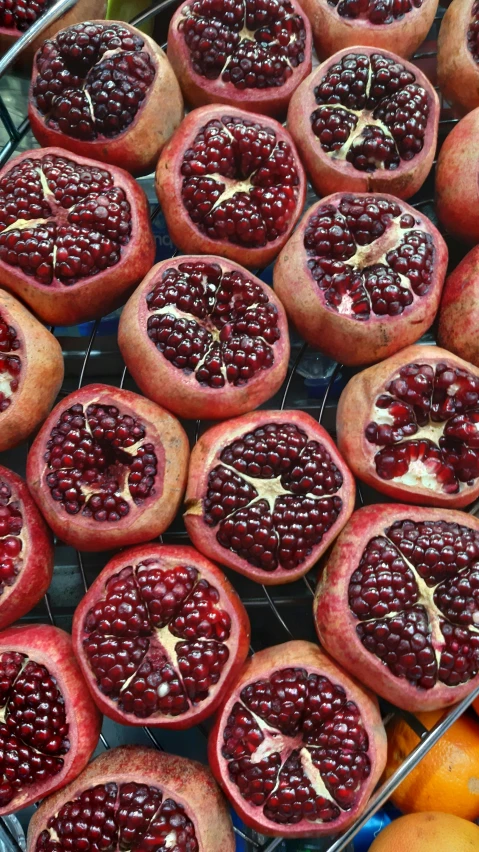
428	832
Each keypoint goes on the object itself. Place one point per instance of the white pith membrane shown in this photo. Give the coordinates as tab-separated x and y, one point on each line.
164	648
11	541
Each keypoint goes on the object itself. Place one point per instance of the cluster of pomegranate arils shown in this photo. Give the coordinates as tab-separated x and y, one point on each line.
161	637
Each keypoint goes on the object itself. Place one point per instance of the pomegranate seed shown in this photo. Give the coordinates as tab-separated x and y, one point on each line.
377	11
21	14
473	32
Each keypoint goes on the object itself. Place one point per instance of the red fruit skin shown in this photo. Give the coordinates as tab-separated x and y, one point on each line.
199	91
457	72
457	190
181	554
82	11
262	665
41	375
337	335
178	390
183	231
37	555
142	523
330	175
89	298
203	457
137	148
353	415
459	311
331	32
336	624
52	648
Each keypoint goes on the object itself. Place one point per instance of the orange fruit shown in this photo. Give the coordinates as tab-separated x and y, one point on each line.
447	778
428	832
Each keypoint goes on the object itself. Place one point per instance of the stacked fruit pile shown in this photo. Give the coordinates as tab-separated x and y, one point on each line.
161	637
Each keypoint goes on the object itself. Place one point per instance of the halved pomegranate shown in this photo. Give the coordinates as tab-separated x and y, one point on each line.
160	637
298	746
75	236
366	121
408	427
230	182
31	372
399	25
459	312
267	493
398	603
108	468
50	725
17	16
205	338
26	550
458	55
96	90
457	180
361	277
135	798
249	53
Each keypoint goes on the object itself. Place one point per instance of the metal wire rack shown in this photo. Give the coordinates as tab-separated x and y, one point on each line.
91	354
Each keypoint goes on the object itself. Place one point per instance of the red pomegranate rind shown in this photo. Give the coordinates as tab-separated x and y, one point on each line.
95	90
407	427
16	16
26	550
397	603
75	236
298	746
160	636
230	182
458	56
50	725
361	277
160	801
251	55
108	468
459	311
31	372
267	493
399	25
365	121
205	338
457	181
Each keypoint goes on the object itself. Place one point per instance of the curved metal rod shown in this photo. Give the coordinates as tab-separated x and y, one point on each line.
51	15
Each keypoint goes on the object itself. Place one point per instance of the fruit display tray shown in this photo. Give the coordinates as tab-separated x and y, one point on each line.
313	384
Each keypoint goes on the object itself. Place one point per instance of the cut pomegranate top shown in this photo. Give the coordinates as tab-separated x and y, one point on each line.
251	44
157	640
375	11
473	32
11	543
99	462
92	79
10	365
369	256
416	595
34	727
114	816
296	747
240	182
61	221
21	14
214	322
426	422
371	112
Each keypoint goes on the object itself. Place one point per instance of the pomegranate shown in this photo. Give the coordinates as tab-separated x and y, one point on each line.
26	550
16	16
75	237
398	603
96	89
160	636
365	122
459	313
399	25
31	372
251	54
458	55
135	798
205	338
361	277
457	180
108	468
50	725
230	182
267	493
407	427
298	746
